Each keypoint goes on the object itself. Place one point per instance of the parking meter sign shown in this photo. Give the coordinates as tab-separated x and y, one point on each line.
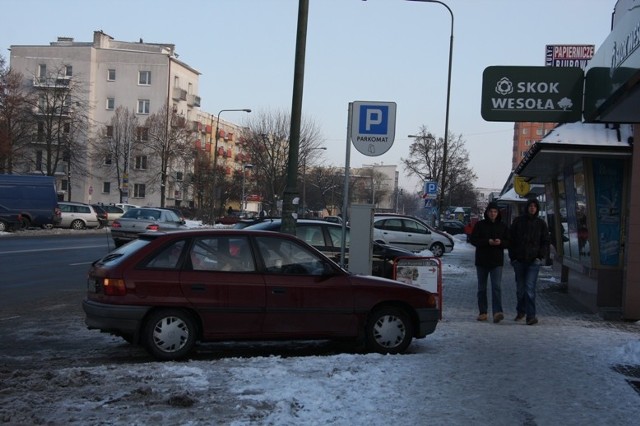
373	127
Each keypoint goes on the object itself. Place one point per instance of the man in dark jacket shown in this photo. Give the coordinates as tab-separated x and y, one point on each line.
529	246
490	236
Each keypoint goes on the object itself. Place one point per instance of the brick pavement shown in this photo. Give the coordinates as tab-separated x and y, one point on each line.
553	303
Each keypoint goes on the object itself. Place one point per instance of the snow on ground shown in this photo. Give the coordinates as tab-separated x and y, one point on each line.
560	371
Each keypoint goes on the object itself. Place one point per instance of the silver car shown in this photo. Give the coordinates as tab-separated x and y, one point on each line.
77	215
410	233
137	221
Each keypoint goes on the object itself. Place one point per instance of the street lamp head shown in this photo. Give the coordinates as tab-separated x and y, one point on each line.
246	110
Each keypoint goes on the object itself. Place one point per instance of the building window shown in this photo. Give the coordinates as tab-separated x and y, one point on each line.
111	104
111	75
144	78
42	70
140	162
138	190
108	160
109	131
68	70
143	133
144	106
539	132
64	185
525	131
39	160
106	187
179	176
40	135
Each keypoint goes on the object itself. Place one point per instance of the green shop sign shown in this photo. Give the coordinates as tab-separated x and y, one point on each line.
537	94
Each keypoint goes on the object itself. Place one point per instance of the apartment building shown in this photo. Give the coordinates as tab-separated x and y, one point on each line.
525	134
105	74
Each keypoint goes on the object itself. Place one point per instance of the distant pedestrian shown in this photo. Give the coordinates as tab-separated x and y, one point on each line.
490	237
528	248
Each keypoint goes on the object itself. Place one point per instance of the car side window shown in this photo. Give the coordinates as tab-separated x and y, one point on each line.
415	227
281	256
392	225
311	234
167	258
336	237
221	254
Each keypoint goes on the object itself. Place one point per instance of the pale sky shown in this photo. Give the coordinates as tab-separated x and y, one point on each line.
378	50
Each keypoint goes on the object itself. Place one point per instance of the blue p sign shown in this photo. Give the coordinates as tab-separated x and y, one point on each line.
373	119
372	126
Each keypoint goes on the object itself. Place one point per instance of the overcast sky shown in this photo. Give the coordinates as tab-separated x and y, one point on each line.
378	50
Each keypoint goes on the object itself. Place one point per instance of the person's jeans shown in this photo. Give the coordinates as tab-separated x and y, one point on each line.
526	280
496	288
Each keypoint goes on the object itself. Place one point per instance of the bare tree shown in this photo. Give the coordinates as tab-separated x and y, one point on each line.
171	147
425	161
15	118
117	140
266	140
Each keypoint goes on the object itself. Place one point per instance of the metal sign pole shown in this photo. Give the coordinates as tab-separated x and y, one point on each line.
345	198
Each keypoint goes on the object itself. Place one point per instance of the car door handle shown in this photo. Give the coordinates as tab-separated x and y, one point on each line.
198	287
278	290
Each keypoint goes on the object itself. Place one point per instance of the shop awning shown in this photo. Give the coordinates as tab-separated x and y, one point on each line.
568	143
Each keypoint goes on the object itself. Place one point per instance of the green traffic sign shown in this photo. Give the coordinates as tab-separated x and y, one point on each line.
536	94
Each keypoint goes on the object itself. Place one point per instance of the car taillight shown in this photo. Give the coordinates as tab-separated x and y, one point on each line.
57	212
432	301
115	224
114	287
153	227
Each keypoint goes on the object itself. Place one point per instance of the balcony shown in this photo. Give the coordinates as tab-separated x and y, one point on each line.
179	94
193	100
52	82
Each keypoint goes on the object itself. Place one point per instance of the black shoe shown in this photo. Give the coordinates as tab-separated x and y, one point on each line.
532	321
518	317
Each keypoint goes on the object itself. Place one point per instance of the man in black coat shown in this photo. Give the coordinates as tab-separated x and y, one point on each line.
490	236
529	247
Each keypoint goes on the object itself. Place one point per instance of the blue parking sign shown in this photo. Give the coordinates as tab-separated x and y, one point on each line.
372	126
374	119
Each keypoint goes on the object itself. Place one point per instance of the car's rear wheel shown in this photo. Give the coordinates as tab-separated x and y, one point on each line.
388	331
169	334
25	222
77	224
3	226
437	249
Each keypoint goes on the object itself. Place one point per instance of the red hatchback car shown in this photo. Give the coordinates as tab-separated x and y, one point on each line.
168	291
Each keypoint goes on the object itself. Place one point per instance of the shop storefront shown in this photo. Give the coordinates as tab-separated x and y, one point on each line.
586	170
592	177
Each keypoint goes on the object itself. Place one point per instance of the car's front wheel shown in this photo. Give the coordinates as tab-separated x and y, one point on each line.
169	334
437	249
388	331
77	224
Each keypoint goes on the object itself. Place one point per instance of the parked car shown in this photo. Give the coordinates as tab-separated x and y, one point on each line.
167	291
103	216
410	233
9	221
126	207
78	215
34	198
453	227
327	237
113	212
136	221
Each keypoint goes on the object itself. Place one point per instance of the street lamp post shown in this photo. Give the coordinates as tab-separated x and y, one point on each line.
215	159
446	120
243	204
304	179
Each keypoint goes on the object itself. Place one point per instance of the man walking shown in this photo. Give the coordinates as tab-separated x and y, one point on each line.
529	246
490	237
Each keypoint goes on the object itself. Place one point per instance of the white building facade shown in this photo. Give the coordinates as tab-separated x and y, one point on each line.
143	77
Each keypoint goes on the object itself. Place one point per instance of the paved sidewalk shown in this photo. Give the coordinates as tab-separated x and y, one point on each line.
555	308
